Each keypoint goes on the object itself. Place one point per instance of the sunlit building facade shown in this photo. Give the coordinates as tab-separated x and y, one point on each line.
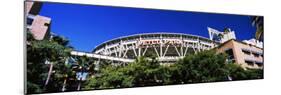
38	25
244	54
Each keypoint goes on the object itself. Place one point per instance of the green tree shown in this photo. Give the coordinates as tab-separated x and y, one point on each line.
206	66
257	21
236	72
51	51
142	72
83	67
239	73
255	73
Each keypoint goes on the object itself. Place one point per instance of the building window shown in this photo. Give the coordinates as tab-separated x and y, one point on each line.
47	24
29	21
230	54
250	63
260	53
260	64
256	55
246	51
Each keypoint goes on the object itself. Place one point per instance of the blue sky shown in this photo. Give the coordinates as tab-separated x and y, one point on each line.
86	26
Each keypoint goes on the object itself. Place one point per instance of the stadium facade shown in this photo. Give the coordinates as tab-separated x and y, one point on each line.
167	47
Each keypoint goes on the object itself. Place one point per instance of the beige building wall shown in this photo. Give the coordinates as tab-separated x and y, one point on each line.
40	26
241	57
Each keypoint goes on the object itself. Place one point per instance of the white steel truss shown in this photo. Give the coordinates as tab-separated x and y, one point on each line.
167	46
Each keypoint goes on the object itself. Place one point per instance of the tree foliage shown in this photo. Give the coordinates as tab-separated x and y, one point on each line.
206	66
39	52
257	21
238	73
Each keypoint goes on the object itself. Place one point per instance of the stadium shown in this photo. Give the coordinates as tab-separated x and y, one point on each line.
167	47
